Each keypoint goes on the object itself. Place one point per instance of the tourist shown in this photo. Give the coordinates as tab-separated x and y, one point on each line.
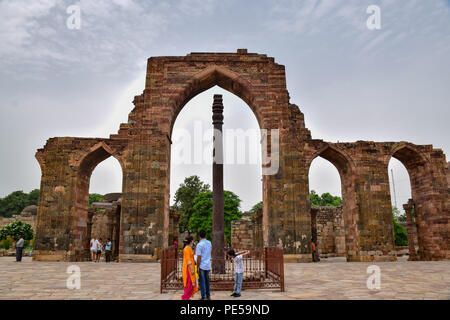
108	250
99	249
189	279
203	253
315	257
19	249
238	269
229	247
93	249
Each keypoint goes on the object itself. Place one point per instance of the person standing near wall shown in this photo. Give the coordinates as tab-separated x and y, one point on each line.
203	253
93	249
108	250
99	249
189	279
238	269
315	256
19	248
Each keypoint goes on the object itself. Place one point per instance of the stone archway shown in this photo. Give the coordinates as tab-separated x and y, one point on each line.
346	169
420	173
260	82
142	146
80	243
62	231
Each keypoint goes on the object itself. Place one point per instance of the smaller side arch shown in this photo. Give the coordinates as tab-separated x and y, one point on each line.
85	165
346	168
338	157
409	155
425	167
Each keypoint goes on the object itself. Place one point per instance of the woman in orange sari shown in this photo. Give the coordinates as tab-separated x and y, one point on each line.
189	280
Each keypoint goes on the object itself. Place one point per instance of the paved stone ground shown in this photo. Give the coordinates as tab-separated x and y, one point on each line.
329	279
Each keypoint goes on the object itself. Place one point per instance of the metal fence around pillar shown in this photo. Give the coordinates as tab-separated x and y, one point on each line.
263	269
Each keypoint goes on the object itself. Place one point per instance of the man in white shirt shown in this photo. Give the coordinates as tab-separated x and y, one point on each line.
19	249
203	252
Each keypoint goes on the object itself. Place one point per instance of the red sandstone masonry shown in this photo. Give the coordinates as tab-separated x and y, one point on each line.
142	147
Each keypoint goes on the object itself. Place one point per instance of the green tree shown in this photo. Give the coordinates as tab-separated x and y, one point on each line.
16	201
201	218
16	228
6	243
13	203
185	197
401	237
33	197
94	197
325	200
256	207
398	215
400	234
315	199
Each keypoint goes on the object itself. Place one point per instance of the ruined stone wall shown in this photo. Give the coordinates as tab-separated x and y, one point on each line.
242	234
100	224
27	219
329	225
104	222
367	212
142	147
261	83
404	224
247	233
448	174
67	164
173	227
28	215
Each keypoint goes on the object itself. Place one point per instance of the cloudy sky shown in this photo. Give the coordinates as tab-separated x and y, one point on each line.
351	83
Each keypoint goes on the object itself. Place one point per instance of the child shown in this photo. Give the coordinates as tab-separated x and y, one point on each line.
239	269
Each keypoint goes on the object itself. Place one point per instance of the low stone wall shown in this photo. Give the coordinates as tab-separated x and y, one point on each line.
402	251
242	234
100	224
328	231
247	233
327	225
28	215
174	218
104	223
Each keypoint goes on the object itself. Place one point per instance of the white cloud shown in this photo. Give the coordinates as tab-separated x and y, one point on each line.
18	19
351	83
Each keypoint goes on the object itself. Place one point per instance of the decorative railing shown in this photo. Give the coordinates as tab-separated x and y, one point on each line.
263	269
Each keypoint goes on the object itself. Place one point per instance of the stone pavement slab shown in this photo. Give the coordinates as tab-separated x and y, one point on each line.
331	278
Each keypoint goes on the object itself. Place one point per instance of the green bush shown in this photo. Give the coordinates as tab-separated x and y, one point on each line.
6	243
94	197
401	237
16	228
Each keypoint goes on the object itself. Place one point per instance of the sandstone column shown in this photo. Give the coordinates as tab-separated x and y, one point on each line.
410	230
218	236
